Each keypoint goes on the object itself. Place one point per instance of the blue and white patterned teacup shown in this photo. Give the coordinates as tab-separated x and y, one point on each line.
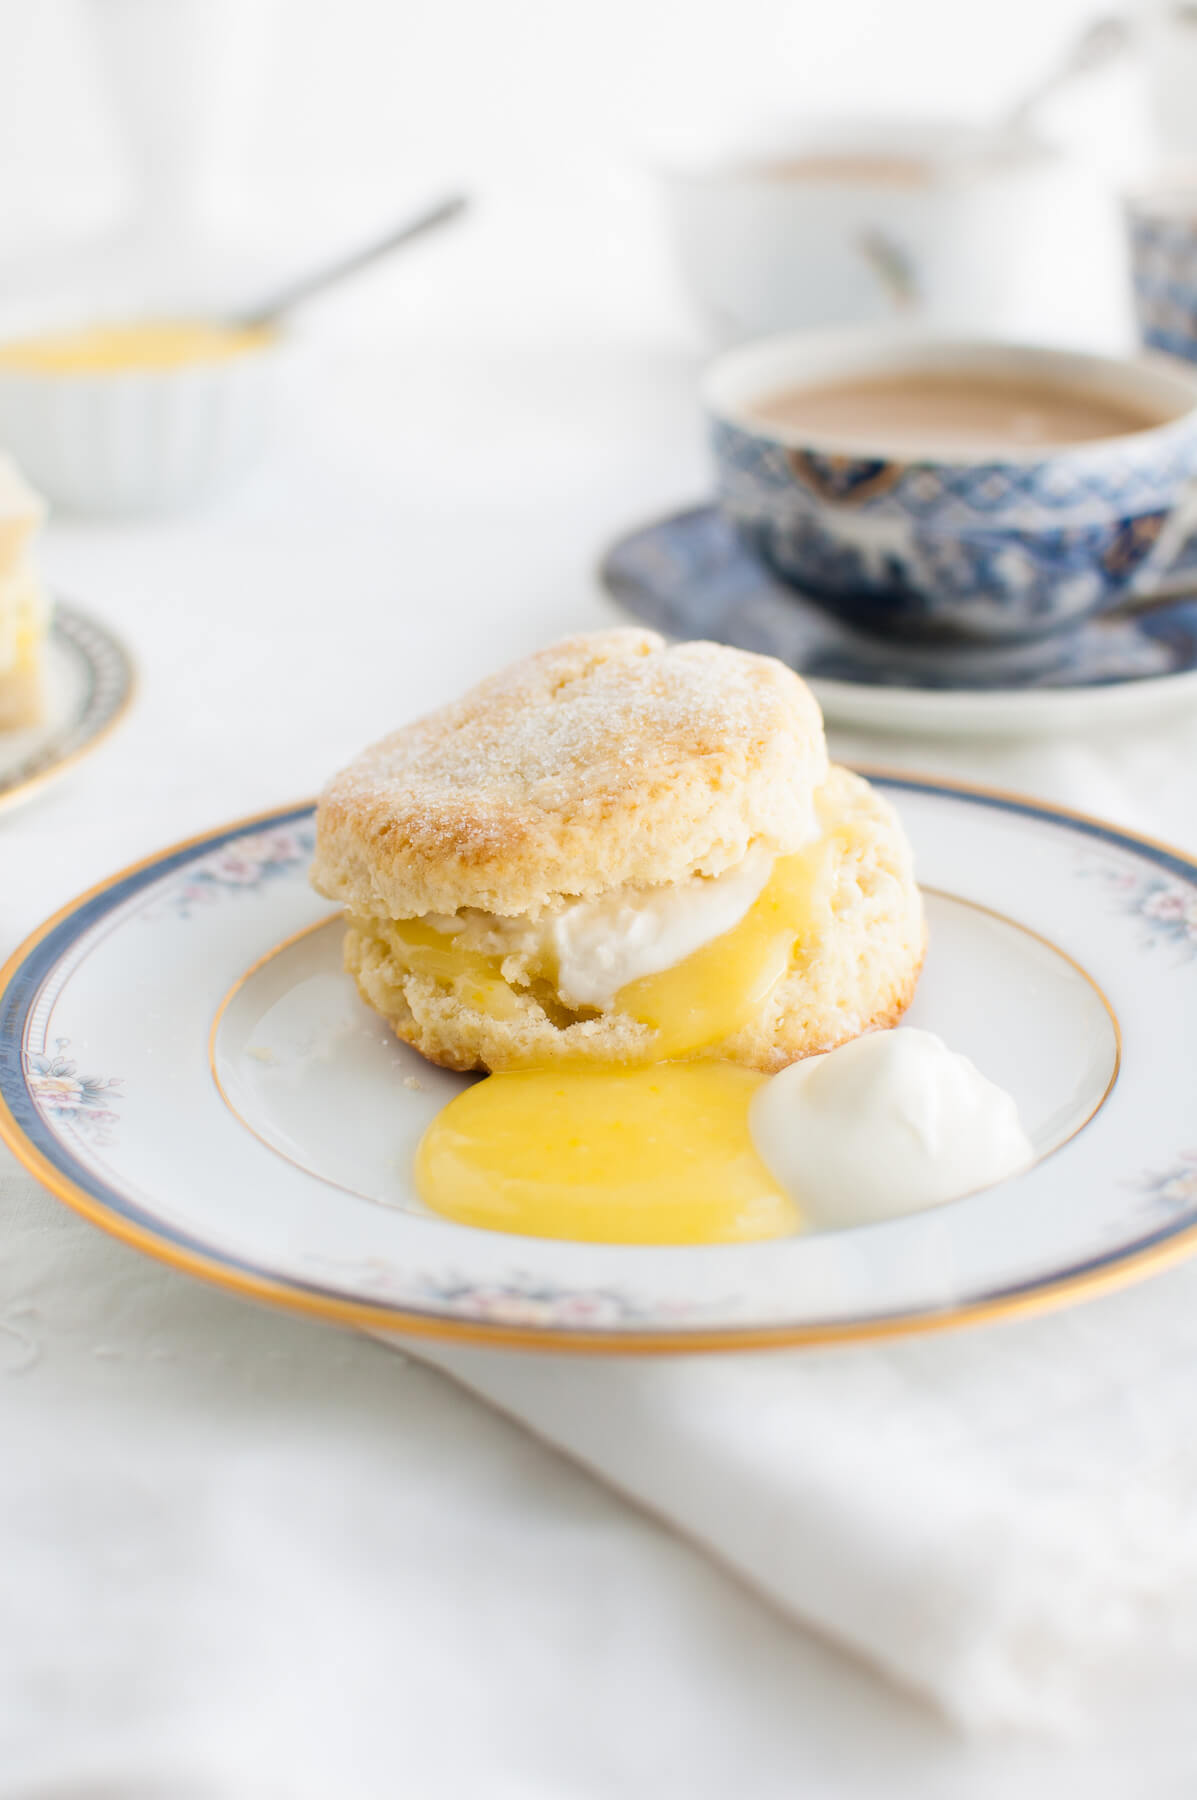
1162	231
993	546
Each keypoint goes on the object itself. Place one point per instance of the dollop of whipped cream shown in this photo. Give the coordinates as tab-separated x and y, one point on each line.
888	1124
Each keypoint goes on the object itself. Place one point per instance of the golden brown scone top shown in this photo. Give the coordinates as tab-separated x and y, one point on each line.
604	759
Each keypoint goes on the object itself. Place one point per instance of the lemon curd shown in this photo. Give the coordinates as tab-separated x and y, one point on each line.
718	989
476	978
652	1155
112	349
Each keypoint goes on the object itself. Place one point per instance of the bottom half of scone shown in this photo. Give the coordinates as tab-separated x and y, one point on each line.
832	950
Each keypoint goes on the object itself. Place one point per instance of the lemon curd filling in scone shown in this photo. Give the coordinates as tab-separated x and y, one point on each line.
621	853
24	610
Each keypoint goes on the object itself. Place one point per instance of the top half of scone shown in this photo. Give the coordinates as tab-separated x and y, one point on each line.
607	761
619	851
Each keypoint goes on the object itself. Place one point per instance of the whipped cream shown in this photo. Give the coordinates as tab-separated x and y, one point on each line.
888	1124
600	945
597	946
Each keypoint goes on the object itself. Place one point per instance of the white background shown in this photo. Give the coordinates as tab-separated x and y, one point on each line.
319	117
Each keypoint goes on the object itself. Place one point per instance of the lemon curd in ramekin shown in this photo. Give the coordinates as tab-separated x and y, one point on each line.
129	415
120	348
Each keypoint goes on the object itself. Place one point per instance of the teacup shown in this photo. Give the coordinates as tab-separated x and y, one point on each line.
862	221
995	542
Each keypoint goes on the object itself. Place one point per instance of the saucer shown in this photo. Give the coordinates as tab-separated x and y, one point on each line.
184	1059
690	576
89	685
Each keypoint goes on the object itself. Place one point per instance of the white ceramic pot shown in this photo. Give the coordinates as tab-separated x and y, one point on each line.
764	246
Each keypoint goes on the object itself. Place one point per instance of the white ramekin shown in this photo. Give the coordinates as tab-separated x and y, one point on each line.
139	440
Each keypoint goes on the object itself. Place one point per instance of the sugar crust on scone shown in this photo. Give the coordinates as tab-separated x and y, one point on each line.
606	759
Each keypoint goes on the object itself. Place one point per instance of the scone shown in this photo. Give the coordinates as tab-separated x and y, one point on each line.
619	851
23	608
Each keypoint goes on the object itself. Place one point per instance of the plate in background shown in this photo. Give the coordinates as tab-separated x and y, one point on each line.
690	576
89	686
182	1060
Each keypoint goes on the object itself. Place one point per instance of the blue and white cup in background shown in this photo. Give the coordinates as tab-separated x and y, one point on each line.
1162	232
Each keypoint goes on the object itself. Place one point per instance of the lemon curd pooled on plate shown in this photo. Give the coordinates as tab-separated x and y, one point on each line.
622	878
24	609
658	1154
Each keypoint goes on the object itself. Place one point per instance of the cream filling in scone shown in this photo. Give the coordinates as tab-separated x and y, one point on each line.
825	940
580	955
590	949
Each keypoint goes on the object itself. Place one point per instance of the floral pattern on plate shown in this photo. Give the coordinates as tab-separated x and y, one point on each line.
1166	908
519	1300
81	1101
1173	1191
241	867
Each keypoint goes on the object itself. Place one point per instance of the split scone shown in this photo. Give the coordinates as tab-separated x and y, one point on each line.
23	608
619	851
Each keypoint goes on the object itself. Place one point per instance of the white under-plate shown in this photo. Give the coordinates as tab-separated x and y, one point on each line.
182	1059
89	684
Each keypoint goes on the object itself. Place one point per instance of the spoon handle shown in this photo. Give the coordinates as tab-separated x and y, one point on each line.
1103	39
1155	600
319	279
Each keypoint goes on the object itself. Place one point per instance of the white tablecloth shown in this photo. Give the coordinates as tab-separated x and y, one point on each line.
247	1555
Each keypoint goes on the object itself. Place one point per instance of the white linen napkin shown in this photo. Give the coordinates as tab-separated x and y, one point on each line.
992	1517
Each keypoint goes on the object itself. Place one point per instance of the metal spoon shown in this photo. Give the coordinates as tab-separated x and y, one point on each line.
319	280
1098	44
1154	600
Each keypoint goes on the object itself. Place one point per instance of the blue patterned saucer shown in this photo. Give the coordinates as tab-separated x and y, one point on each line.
690	575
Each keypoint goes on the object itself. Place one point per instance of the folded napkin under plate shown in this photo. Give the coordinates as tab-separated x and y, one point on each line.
990	1517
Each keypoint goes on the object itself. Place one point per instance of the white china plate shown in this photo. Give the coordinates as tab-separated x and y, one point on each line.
182	1059
89	685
